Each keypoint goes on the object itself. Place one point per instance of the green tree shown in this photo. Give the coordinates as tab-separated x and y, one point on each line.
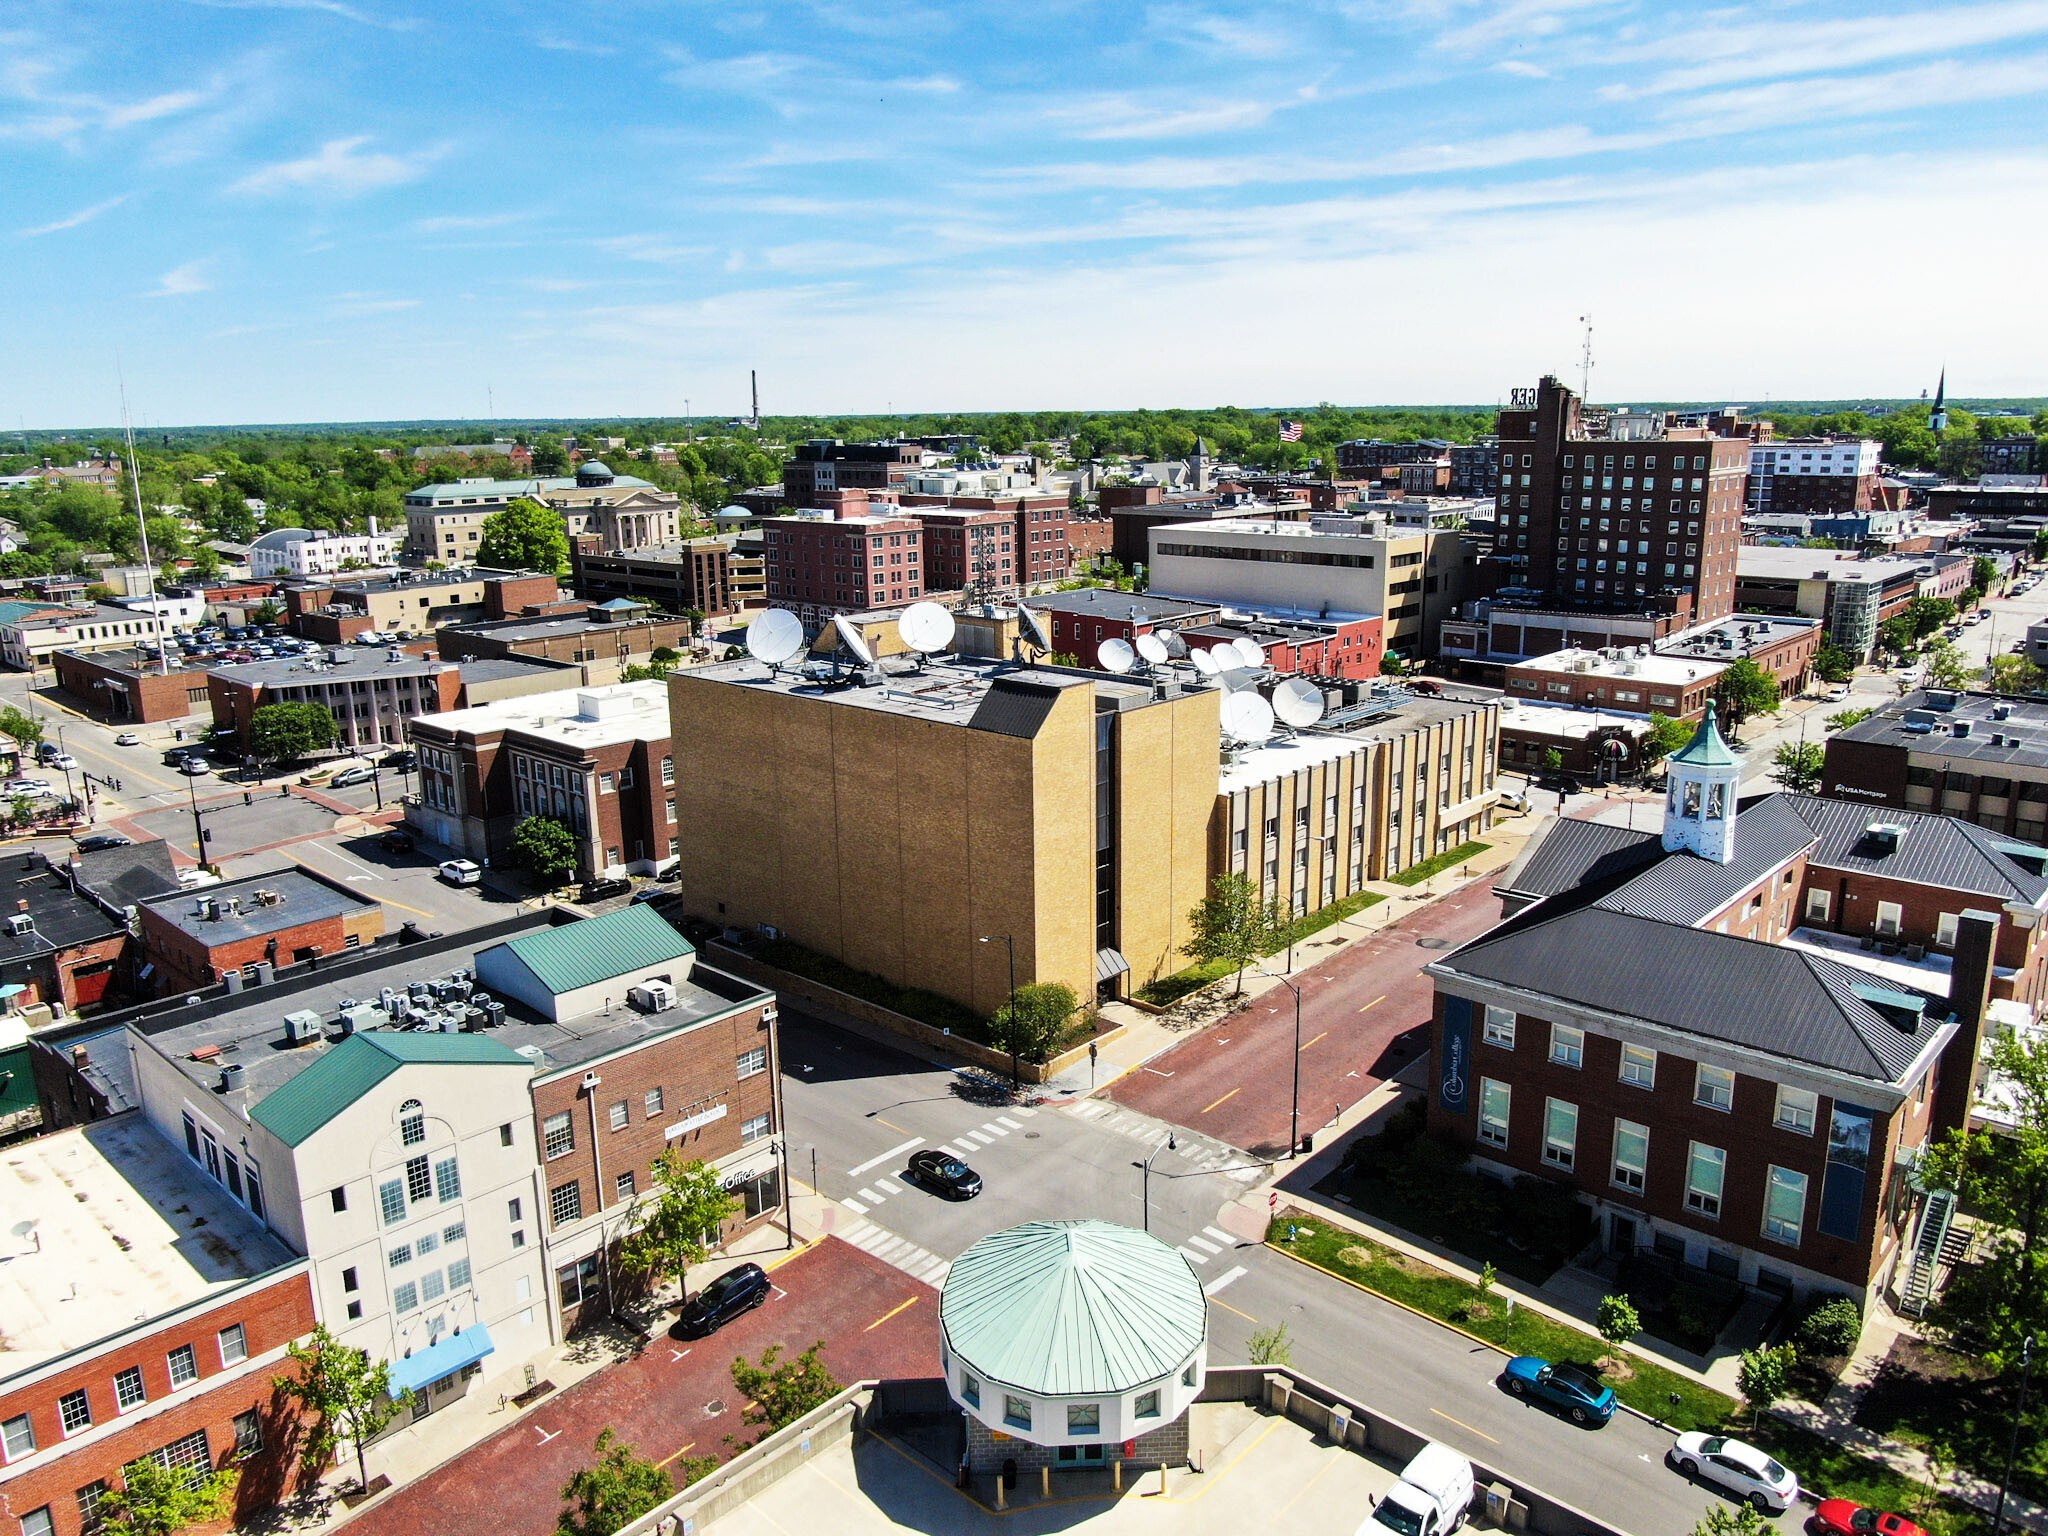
653	671
2040	549
2009	674
1745	689
1983	573
1897	636
2003	1176
278	732
1832	664
23	729
155	1500
1761	1377
1796	766
615	1490
1270	1346
1232	925
1553	760
526	536
1617	1321
1732	1520
779	1392
677	1220
1924	615
1948	667
1393	664
1031	1021
1843	719
544	848
1666	737
342	1395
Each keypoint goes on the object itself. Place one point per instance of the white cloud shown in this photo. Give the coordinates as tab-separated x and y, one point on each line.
1902	91
1209	32
1523	68
73	220
1123	117
190	278
329	7
371	304
652	247
445	223
340	169
557	44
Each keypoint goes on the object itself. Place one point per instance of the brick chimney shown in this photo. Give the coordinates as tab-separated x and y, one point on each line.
1969	997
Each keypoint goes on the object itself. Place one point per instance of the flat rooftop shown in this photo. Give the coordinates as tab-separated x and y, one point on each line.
1781	564
405	580
134	662
1386	715
1565	720
126	1229
952	690
357	661
303	900
575	717
2021	736
1675	671
557	625
250	1032
1107	602
1729	638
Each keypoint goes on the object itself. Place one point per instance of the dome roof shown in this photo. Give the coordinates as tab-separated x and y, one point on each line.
593	472
277	538
1062	1308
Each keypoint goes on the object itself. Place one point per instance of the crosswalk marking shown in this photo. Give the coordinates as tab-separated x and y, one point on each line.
855	1206
874	1195
1222	1237
1228	1277
1207	1247
990	1128
889	1186
950	1150
898	1252
1192	1256
975	1138
1006	1120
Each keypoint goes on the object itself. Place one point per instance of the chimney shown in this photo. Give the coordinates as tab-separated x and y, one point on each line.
1969	998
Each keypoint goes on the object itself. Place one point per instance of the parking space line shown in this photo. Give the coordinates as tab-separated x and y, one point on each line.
875	1162
1224	1100
1306	1044
871	1327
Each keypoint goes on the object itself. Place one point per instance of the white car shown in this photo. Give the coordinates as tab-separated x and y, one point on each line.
26	787
63	762
1837	693
192	879
1753	1476
127	739
460	872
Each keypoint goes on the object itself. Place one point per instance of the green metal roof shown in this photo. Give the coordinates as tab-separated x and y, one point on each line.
12	610
1070	1308
355	1066
1706	749
599	948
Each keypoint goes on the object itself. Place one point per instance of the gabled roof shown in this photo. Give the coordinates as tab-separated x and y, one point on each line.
351	1069
1686	888
1570	853
1786	1003
1943	851
598	948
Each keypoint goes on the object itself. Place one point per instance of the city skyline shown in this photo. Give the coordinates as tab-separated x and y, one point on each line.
330	210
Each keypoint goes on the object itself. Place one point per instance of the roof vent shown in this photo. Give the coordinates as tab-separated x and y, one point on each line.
2001	711
1961	728
1882	837
301	1026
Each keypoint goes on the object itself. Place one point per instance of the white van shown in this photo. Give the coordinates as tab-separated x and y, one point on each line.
1432	1498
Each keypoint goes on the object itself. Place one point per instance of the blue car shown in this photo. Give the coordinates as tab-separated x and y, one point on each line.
1571	1389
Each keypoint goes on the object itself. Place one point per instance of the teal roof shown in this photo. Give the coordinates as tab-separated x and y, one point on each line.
11	611
1071	1308
351	1069
1706	749
599	948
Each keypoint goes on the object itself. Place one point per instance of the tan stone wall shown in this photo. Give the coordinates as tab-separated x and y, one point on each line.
1167	758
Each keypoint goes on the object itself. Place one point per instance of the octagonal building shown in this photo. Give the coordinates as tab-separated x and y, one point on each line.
1073	1344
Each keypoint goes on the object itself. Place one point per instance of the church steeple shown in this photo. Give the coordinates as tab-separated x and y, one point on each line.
1699	808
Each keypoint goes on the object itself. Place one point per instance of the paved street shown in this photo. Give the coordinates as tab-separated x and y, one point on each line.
1361	1013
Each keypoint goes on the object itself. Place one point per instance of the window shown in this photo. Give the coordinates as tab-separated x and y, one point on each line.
620	1115
454	1234
184	1365
970	1389
1631	1154
412	1123
234	1344
74	1411
1945	930
1016	1411
338	1198
430	1286
1817	906
668	770
1493	1112
1084	1418
1147	1405
1705	1167
391	1196
18	1436
405	1297
427	1244
754	1127
1567	1045
419	1182
558	1132
1796	1109
1888	915
128	1390
447	1180
89	1504
652	1101
1639	1066
624	1185
754	1061
348	1279
1784	1205
1714	1087
565	1202
248	1433
1560	1132
38	1522
190	1454
513	1210
1499	1028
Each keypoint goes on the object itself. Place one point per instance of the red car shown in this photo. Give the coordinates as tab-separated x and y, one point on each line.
1839	1517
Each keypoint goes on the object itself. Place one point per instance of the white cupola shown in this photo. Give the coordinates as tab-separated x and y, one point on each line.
1699	807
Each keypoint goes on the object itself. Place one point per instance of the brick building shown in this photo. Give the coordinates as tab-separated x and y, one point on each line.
967	549
823	464
1626	682
696	574
64	930
128	685
189	1306
1039	524
1980	756
1079	621
823	566
247	928
601	639
2020	455
1349	649
411	602
596	759
1816	475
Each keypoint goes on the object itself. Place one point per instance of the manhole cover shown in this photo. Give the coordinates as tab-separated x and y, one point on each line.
1031	1135
1433	943
715	1407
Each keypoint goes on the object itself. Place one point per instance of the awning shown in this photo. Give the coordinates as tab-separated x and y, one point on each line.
1109	963
442	1358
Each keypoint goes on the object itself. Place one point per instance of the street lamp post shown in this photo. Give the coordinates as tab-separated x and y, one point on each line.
1168	1145
64	756
2012	1443
1294	1114
198	830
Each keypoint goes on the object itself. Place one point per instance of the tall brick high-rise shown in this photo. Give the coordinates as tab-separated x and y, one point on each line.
1621	510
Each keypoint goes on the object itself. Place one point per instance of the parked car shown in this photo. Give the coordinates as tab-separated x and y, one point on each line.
605	889
672	874
1564	784
349	777
1838	693
192	879
99	840
654	896
396	841
1428	687
945	1175
1844	1517
194	766
1571	1389
460	871
1512	800
1753	1476
1433	1497
127	739
174	756
63	762
404	757
26	787
732	1294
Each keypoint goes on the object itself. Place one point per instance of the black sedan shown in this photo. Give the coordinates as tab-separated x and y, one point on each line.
735	1292
605	889
945	1175
99	840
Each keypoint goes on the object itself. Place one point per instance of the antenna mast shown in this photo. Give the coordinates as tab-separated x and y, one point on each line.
1586	360
163	659
754	376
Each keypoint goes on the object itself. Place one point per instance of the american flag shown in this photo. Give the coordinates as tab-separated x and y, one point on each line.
1290	431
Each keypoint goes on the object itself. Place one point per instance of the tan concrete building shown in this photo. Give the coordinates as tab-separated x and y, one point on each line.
893	826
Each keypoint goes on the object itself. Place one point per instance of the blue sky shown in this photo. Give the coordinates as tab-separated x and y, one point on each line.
280	210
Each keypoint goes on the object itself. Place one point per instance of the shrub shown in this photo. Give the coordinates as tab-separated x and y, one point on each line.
1832	1328
1695	1310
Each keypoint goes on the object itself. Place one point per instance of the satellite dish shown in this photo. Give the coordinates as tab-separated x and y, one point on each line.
1298	703
1225	656
775	636
1247	718
855	643
1152	648
1033	628
1176	644
1204	663
1253	654
926	627
1116	655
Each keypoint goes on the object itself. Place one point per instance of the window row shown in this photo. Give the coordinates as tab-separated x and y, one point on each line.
240	1177
423	1180
75	1411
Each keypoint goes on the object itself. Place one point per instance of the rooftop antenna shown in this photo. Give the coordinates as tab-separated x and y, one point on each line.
163	658
852	641
1586	359
754	375
1031	632
774	637
1116	656
926	628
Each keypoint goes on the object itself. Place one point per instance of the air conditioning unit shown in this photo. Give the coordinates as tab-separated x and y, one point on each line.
301	1026
652	997
19	923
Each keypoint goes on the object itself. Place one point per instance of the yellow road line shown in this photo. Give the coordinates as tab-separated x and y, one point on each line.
1226	1306
893	1126
1312	1042
871	1327
667	1459
1225	1099
1375	1002
1482	1434
388	901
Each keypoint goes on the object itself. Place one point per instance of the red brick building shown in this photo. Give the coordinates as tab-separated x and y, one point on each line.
1040	526
127	685
1078	622
236	930
964	548
173	1352
1348	648
820	567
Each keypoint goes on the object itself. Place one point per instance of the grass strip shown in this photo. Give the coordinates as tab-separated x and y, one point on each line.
1415	874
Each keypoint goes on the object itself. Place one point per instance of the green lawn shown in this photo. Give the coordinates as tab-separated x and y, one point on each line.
1420	1211
1415	874
1171	989
1679	1401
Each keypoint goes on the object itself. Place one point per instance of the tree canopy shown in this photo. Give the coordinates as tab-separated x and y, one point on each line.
687	1205
614	1491
1746	689
343	1395
525	536
1032	1020
544	848
279	732
1232	926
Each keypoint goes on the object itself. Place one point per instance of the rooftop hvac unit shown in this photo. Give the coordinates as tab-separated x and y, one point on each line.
19	923
2001	711
1961	728
652	997
300	1026
1885	835
204	909
231	1077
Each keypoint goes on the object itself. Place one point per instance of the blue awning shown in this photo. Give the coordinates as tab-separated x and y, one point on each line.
443	1358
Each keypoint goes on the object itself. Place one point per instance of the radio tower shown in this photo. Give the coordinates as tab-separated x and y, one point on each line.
754	375
1586	360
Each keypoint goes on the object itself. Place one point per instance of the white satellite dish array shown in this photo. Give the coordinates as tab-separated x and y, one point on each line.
926	628
1116	655
1153	649
1298	703
852	641
1031	632
1246	718
774	637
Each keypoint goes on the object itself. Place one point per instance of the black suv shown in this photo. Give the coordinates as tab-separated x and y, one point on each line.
732	1293
604	890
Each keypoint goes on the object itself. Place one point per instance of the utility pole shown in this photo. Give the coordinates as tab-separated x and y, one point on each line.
1168	1145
